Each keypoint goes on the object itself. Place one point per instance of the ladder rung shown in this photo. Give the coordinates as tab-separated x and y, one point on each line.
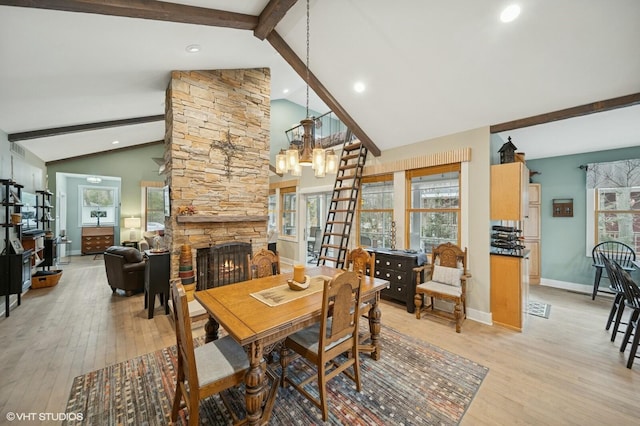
340	178
352	146
336	234
347	157
339	210
344	199
335	246
348	167
333	259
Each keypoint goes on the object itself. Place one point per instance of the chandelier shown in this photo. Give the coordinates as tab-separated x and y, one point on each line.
310	153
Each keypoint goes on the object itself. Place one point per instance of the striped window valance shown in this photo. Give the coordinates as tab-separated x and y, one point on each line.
449	157
614	174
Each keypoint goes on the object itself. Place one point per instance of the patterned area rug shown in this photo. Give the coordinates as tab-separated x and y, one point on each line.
539	309
413	383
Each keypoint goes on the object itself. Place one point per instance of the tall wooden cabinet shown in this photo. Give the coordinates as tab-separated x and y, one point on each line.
510	267
532	232
509	191
509	290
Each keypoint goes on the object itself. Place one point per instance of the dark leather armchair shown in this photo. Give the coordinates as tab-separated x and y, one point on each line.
125	269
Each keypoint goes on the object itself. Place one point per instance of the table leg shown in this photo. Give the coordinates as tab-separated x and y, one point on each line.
374	327
254	380
211	328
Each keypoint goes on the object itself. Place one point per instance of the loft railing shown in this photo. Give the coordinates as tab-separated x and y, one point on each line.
328	131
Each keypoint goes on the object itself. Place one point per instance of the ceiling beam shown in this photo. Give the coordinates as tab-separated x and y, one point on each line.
108	151
273	13
600	106
296	63
44	133
144	9
172	12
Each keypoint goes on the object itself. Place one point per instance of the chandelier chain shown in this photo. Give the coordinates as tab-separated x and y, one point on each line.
307	58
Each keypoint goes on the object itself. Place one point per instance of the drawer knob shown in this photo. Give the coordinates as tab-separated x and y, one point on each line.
388	275
388	263
399	277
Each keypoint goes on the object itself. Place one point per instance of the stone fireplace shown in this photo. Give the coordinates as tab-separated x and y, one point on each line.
217	158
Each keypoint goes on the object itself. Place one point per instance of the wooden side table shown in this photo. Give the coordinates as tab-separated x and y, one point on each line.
156	280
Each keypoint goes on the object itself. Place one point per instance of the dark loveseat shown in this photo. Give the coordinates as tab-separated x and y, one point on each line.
125	269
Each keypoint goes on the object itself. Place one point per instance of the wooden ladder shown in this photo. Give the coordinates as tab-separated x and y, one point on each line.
342	208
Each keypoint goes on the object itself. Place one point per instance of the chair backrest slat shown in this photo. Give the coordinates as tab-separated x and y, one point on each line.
631	289
613	272
264	264
184	336
615	251
358	260
449	255
341	299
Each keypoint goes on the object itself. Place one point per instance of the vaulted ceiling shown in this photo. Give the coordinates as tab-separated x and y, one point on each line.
430	67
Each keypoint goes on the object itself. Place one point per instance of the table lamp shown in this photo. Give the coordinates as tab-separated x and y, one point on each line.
132	223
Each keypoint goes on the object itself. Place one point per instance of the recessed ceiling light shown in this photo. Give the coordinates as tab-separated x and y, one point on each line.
359	87
193	48
115	142
510	13
285	91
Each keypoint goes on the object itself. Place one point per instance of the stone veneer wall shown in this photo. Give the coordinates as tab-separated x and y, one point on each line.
201	107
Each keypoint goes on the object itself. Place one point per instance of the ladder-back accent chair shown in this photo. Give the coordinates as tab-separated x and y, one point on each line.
446	279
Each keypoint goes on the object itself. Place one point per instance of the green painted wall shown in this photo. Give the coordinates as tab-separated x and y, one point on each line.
563	239
284	115
131	166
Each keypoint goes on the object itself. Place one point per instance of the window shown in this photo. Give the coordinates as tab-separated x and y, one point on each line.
272	209
433	214
289	214
154	208
613	203
618	215
375	213
98	206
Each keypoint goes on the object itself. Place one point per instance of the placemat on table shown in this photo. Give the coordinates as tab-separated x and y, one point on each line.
282	294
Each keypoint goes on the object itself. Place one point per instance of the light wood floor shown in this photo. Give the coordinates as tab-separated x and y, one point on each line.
561	370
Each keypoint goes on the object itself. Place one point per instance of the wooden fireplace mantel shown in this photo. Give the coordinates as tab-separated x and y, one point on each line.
219	219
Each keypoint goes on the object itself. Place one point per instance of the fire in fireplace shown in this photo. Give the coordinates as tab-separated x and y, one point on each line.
222	264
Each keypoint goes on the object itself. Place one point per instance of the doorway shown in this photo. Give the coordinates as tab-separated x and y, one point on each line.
316	207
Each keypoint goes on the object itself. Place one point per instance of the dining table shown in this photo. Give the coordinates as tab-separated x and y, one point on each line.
259	327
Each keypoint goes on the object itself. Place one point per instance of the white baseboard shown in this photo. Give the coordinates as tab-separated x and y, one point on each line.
479	316
566	285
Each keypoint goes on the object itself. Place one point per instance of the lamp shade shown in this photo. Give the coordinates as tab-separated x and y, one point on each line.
132	222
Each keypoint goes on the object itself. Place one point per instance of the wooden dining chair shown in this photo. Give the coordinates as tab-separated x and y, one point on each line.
615	251
324	344
358	260
264	263
614	272
446	279
632	301
205	370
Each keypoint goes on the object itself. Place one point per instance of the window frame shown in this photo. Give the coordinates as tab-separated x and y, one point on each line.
284	194
634	239
374	179
162	212
409	210
110	217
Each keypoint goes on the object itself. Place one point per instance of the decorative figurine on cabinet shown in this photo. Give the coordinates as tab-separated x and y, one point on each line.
507	152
